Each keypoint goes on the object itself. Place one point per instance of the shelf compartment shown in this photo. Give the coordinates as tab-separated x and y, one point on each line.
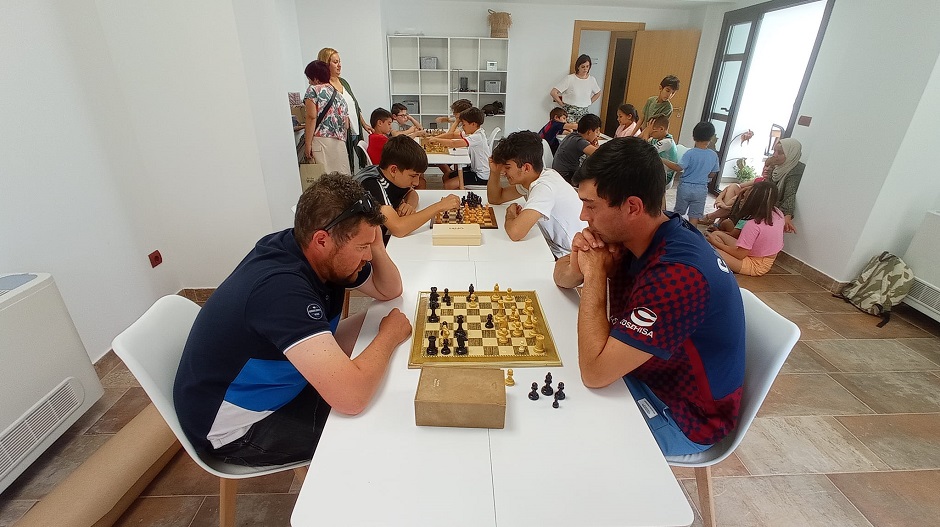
403	53
464	53
404	82
434	82
494	49
433	47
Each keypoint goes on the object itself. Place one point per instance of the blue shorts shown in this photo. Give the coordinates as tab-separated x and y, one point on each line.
668	436
690	198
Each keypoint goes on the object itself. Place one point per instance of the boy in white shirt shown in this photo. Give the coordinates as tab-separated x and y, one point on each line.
474	139
550	201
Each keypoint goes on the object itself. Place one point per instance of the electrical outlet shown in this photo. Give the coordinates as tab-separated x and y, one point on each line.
155	258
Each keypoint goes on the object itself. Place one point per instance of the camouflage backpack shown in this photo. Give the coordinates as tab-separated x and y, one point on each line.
881	285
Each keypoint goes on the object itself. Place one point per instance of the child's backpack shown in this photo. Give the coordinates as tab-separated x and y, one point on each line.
881	285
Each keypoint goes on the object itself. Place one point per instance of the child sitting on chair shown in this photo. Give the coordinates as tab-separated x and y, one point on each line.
761	238
473	138
557	125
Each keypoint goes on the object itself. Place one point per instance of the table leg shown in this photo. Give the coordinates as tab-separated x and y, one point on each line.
460	177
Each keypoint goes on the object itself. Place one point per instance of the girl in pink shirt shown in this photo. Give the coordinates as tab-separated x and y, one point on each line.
761	238
627	119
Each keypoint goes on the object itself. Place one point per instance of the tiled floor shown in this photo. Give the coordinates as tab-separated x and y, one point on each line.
849	435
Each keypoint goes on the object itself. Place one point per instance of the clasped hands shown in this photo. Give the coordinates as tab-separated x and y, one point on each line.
592	256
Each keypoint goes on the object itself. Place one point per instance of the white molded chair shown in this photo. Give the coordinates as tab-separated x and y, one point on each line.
769	339
547	157
364	148
151	349
493	137
680	151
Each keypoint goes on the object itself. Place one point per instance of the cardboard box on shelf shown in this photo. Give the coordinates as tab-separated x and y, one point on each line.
461	397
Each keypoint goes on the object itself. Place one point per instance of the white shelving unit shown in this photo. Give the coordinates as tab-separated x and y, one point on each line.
432	90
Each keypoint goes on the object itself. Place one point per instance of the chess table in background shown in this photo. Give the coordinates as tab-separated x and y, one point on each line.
484	350
482	216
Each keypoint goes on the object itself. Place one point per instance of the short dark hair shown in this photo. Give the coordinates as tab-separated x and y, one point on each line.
405	153
398	107
472	115
379	114
588	122
460	105
670	81
629	109
327	198
522	147
556	113
624	167
659	120
703	131
318	71
581	60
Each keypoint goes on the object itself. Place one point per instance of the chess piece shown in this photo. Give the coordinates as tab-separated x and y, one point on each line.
520	350
446	298
446	215
445	347
460	330
555	402
459	216
509	380
469	292
433	296
547	389
534	394
517	329
461	348
502	336
496	289
472	303
529	323
489	321
560	392
432	345
539	343
445	330
548	378
433	316
509	297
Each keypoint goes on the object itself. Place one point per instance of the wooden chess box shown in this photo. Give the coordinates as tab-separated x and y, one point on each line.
461	397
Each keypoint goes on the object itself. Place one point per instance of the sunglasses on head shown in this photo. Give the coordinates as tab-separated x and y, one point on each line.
363	205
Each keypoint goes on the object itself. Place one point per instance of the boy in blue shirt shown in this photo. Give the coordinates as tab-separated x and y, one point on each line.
697	166
557	124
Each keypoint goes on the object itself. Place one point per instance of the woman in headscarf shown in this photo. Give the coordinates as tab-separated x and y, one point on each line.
356	121
785	170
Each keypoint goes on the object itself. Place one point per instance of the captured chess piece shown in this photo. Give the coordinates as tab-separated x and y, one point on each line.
555	402
509	380
534	394
432	345
560	392
547	389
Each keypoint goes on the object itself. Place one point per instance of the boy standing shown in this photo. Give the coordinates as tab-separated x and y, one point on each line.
659	104
474	139
381	121
557	125
551	203
577	146
662	141
697	166
391	185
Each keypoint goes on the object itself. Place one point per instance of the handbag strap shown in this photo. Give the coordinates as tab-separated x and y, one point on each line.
325	109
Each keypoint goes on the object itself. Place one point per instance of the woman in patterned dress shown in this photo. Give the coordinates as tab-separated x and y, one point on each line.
325	141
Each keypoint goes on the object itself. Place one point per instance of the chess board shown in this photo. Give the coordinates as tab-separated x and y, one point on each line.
482	344
435	148
484	216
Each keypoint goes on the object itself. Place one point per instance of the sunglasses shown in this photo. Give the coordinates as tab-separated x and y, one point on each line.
363	205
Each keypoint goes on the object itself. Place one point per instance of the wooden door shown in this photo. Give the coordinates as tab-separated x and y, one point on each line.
655	55
619	54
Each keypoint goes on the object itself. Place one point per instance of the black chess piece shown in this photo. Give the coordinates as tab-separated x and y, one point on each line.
469	292
446	298
434	296
460	331
459	217
534	394
433	316
446	215
434	304
555	402
445	348
560	392
461	345
489	321
548	378
463	201
432	345
547	389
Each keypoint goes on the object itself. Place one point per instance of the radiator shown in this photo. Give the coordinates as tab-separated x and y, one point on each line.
923	256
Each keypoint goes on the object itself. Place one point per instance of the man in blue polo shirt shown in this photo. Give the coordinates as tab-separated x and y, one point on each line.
676	327
267	356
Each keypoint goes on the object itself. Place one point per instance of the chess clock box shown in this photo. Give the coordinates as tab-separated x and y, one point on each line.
461	397
456	234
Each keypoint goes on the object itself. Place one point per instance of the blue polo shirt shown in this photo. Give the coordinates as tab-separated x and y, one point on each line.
233	372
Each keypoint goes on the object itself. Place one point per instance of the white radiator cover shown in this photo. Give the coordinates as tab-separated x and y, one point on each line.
47	380
923	256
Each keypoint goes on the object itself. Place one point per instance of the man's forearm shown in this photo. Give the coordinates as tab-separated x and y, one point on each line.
385	275
565	275
593	326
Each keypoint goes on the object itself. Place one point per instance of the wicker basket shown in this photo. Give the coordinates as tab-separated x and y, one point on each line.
499	23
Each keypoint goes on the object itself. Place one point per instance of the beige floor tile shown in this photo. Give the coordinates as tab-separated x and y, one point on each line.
766	283
894	498
783	303
119	377
917	318
894	393
802	284
781	501
860	355
904	442
810	394
102	405
824	302
864	326
731	466
929	347
779	269
106	363
121	412
269	510
183	477
57	462
804	445
12	510
812	328
173	511
804	360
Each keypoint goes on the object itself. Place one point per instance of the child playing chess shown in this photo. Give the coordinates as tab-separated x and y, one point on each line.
474	139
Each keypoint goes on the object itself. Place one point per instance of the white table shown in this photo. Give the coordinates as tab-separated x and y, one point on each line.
590	462
456	156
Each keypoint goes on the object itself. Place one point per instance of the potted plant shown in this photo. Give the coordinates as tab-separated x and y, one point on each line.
743	171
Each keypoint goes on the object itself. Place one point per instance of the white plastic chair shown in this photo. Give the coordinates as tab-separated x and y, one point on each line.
769	339
364	148
493	137
151	349
680	151
547	157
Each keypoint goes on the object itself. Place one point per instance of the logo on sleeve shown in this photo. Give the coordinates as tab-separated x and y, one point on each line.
640	320
722	265
315	312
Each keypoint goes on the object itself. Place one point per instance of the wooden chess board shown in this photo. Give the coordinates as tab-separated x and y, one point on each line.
435	148
483	216
482	343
